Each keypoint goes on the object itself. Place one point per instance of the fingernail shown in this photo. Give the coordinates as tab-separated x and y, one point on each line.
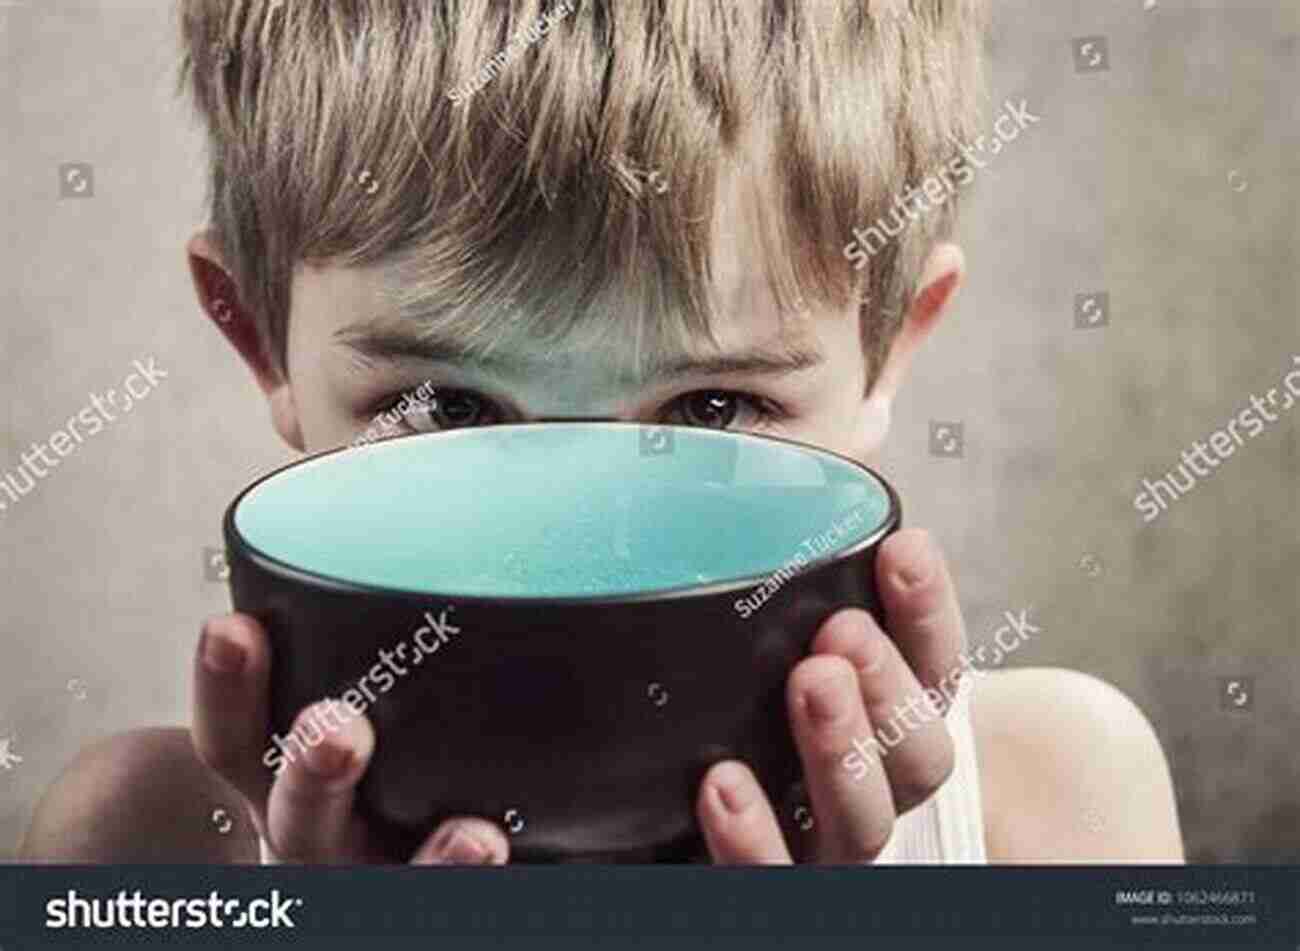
915	566
858	640
733	788
461	848
825	701
328	760
872	657
220	654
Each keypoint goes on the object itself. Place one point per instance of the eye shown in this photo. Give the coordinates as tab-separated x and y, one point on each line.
719	409
445	409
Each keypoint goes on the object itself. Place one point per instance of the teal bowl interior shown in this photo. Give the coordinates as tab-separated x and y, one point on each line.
562	510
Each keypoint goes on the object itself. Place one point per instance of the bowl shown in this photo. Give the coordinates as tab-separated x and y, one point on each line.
559	626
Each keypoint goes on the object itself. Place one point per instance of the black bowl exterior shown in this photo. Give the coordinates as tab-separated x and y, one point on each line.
584	727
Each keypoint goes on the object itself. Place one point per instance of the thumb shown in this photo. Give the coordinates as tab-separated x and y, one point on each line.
464	840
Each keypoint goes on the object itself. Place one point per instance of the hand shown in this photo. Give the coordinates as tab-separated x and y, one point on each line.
851	686
305	812
856	672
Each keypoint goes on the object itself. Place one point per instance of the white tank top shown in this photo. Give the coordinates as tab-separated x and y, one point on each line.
947	829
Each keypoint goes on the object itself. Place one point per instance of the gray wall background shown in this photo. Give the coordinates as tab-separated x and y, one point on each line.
1167	181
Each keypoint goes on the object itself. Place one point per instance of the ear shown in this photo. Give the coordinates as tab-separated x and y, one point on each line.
219	298
944	271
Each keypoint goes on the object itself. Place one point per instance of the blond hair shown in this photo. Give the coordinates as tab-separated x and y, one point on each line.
576	187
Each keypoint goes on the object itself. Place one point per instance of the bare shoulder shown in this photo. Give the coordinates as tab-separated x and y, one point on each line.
1070	771
141	796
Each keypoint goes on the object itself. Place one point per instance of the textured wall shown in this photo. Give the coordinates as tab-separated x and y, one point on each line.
1163	174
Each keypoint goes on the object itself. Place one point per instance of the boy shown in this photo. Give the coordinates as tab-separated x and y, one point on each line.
642	211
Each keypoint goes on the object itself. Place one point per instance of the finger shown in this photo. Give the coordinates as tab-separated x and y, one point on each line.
465	840
232	670
309	814
737	820
909	736
854	814
921	609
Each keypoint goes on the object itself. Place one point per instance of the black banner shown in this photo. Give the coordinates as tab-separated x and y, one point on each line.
605	906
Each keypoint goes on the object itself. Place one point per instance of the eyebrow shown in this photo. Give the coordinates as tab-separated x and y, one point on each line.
380	340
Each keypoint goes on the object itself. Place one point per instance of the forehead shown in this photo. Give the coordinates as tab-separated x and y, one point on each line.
746	305
745	311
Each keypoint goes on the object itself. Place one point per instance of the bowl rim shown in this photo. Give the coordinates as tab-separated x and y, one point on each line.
239	547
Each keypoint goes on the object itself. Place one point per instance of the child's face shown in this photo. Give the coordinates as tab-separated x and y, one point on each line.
807	384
